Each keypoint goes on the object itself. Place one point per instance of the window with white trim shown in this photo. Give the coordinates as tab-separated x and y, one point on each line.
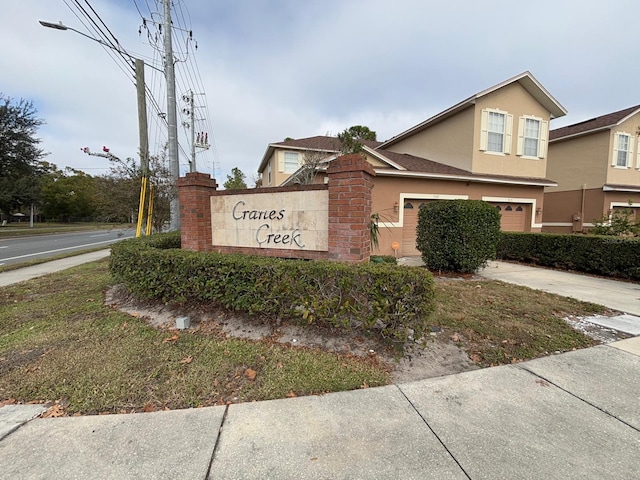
291	162
622	150
532	137
269	173
495	133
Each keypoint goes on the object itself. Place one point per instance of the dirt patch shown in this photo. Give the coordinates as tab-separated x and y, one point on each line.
17	359
434	357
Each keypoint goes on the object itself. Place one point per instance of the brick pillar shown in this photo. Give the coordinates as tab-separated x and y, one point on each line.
194	193
350	184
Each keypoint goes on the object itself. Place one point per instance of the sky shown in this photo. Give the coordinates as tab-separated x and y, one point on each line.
265	70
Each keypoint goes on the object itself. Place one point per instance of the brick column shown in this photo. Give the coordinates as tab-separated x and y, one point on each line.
194	193
350	184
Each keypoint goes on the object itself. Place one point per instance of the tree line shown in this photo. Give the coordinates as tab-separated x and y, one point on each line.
28	181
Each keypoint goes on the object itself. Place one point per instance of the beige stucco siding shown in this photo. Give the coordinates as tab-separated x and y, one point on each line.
516	101
449	142
631	174
579	161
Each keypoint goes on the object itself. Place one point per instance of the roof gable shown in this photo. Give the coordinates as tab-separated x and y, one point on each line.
592	125
319	143
525	79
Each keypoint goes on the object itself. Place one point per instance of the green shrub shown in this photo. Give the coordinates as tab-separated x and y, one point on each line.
457	235
392	301
600	255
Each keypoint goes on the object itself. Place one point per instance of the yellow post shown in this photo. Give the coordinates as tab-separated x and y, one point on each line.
150	209
143	191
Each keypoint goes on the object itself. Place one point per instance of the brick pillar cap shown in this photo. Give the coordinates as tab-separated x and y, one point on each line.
353	162
197	179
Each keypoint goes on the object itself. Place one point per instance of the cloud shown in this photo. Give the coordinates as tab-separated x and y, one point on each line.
284	68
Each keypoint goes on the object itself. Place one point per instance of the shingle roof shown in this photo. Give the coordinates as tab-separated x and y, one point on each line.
418	164
320	142
422	165
605	121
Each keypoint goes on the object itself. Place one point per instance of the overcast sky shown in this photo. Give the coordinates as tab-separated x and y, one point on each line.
272	69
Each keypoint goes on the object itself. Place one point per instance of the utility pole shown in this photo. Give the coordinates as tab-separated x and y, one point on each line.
193	133
174	165
142	117
202	138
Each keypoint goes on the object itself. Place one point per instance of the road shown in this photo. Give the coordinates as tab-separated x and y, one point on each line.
24	249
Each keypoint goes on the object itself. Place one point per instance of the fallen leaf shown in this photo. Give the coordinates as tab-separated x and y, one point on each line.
10	401
250	374
314	458
455	337
291	394
542	383
135	314
149	407
186	360
54	411
475	358
89	300
172	338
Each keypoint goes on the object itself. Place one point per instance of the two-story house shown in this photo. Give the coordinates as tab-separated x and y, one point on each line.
596	164
491	146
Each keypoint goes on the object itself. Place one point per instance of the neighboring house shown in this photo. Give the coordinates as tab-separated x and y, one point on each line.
491	146
283	159
596	164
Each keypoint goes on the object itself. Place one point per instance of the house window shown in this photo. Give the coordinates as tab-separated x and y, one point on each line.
269	173
532	137
623	153
495	131
291	163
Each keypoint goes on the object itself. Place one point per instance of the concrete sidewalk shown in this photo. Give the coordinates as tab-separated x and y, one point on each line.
27	273
573	415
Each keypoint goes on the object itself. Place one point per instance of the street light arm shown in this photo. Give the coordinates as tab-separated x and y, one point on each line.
61	26
119	49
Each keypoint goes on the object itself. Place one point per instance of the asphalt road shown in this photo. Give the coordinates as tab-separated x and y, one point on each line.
24	249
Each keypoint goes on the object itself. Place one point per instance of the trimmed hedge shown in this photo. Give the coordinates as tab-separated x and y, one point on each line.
392	301
457	235
600	255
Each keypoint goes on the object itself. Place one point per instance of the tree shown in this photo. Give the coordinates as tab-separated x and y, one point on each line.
235	181
19	153
118	192
351	138
311	160
68	194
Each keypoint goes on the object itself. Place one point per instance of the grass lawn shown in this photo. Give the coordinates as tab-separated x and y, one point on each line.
59	343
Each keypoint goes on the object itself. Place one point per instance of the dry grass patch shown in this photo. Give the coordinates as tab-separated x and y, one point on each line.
59	343
499	323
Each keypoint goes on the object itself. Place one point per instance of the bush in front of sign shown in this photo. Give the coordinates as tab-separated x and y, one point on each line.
391	301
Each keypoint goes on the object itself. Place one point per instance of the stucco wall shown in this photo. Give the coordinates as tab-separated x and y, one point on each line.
449	142
389	190
516	101
579	161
